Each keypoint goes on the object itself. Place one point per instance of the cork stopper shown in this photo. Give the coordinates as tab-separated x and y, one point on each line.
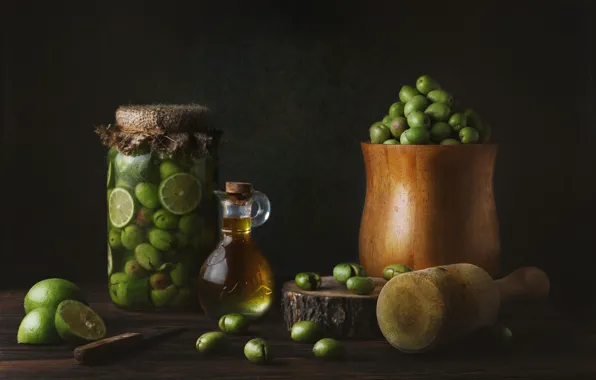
241	188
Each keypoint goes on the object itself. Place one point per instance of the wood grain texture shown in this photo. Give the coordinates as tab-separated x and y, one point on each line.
546	345
344	314
429	205
421	310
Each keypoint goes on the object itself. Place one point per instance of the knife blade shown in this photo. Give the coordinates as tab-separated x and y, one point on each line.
106	349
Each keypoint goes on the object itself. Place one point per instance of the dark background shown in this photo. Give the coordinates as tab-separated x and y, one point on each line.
295	86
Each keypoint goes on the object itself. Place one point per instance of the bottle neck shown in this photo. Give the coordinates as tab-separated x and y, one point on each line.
238	227
236	217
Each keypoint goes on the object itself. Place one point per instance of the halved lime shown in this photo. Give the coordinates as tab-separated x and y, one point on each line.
77	322
180	193
121	207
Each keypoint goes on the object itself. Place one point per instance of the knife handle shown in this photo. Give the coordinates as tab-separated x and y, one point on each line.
102	350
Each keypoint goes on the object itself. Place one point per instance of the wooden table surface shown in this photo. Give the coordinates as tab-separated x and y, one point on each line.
545	346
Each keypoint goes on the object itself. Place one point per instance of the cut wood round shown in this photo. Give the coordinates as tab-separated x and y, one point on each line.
344	314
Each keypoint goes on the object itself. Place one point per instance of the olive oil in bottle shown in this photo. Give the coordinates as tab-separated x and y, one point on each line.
236	277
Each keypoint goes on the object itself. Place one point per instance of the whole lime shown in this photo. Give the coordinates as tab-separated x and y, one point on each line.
38	327
49	293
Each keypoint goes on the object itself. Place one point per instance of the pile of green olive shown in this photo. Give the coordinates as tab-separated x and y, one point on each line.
426	114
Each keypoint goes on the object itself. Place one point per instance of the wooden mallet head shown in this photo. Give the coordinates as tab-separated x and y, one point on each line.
420	310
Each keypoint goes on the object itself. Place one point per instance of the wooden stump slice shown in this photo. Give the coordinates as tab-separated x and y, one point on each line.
344	314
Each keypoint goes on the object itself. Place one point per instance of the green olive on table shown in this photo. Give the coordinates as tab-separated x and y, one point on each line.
212	343
406	93
426	84
308	280
257	351
469	135
343	272
234	323
417	103
329	348
360	285
307	332
393	270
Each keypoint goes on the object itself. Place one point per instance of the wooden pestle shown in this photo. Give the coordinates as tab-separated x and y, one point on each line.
420	310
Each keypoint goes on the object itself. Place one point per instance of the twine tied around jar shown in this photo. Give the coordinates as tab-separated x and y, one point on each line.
162	128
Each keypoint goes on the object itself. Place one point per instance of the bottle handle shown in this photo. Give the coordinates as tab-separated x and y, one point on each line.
264	208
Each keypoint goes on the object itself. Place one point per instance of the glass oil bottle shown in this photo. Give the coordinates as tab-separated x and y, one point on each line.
236	277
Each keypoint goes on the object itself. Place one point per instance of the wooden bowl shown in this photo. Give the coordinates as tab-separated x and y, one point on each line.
429	205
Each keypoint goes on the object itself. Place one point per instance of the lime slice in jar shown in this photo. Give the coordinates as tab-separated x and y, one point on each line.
180	193
121	207
110	261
